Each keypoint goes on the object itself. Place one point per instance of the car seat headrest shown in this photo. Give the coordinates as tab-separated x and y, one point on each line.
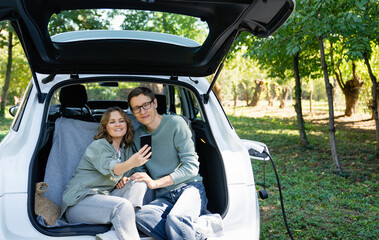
73	96
162	105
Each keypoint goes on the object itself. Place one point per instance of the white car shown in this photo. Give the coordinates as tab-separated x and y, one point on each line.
77	75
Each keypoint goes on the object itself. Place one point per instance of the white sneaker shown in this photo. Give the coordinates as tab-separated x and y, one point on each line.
209	225
110	235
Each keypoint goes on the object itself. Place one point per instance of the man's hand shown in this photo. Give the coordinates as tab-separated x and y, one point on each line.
143	177
122	182
151	183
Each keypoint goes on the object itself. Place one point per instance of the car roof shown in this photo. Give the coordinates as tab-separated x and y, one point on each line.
135	52
124	35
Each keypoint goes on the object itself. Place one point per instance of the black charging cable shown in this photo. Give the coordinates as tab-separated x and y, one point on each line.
280	194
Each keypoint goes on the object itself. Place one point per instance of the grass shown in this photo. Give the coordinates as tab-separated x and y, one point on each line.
319	203
5	124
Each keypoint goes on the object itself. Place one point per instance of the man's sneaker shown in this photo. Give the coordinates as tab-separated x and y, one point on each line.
110	235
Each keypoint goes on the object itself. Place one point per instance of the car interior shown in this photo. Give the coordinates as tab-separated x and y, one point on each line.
71	123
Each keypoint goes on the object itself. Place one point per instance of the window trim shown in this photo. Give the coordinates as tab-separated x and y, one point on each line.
20	112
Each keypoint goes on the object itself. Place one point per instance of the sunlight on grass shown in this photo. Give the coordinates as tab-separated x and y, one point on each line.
319	203
316	133
279	132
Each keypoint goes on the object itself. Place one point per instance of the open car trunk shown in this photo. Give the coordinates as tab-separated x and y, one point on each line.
225	19
65	130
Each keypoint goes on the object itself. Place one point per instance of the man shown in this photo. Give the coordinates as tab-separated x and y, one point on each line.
173	172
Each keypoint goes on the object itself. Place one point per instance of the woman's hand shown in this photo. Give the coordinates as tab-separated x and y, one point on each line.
122	182
140	157
136	160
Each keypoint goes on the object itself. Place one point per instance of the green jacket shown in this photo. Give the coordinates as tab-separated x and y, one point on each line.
94	174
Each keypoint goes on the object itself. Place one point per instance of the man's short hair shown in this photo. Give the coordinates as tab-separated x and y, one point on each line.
141	90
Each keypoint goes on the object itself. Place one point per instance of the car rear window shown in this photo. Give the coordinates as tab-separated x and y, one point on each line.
121	19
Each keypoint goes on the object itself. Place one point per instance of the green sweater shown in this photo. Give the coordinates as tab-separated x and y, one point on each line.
173	152
94	174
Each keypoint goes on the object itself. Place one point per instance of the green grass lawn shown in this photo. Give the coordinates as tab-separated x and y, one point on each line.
5	124
320	204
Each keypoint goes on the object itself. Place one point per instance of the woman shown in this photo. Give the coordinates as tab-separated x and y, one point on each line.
89	196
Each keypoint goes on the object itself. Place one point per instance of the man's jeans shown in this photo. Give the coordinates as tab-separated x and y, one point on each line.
172	215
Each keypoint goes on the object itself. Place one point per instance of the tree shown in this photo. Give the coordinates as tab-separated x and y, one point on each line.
283	96
259	88
298	108
322	14
351	90
240	72
75	20
7	41
329	93
361	32
289	43
375	101
185	26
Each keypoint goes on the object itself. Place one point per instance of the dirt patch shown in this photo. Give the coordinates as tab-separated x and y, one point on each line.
358	121
319	114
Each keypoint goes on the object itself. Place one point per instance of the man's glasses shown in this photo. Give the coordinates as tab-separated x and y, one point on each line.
145	106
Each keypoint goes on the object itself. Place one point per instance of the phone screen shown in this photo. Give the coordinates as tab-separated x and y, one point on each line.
146	139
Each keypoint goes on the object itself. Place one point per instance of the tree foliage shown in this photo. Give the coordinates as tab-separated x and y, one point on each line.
185	26
75	20
14	72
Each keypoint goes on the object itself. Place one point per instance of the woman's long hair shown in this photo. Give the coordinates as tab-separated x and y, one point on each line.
103	133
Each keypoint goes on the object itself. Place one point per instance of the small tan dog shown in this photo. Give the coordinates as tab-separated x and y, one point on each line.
45	207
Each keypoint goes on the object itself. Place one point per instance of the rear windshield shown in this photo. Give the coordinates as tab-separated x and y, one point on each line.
121	19
100	96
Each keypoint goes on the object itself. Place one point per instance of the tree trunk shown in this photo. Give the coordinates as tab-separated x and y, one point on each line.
351	92
351	104
371	106
336	73
235	96
259	88
8	73
329	94
300	121
268	95
277	89
217	90
374	100
335	93
283	97
245	93
235	100
156	88
310	100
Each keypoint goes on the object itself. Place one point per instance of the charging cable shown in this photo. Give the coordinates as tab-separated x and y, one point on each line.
259	151
280	194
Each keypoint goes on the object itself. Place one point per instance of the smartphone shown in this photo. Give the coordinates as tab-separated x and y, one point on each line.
146	139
